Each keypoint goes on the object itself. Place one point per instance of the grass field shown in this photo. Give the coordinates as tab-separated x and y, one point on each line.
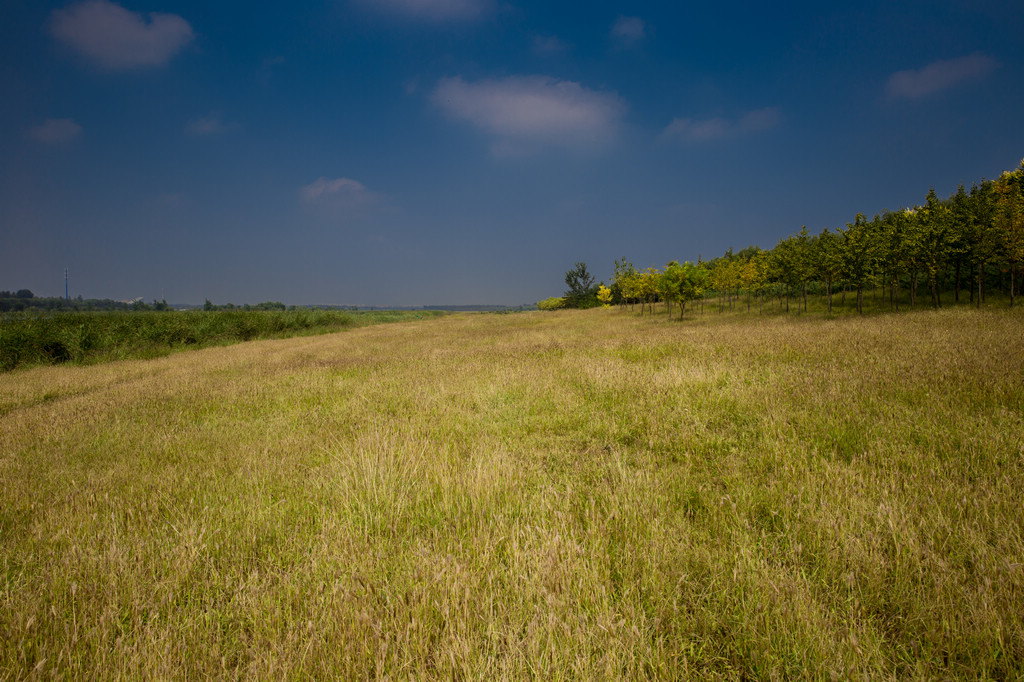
581	494
35	338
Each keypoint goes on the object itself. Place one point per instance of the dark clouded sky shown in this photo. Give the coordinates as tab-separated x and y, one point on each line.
469	151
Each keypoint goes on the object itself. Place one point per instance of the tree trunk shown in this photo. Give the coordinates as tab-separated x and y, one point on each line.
981	278
956	295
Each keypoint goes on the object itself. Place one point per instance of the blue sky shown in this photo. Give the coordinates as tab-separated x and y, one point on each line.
409	152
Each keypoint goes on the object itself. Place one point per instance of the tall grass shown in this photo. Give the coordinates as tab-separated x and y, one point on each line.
39	338
578	494
877	300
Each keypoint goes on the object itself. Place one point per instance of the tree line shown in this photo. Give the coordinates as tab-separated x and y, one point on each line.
25	300
970	243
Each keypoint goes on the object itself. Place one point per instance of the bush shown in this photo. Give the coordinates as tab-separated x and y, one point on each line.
553	303
37	338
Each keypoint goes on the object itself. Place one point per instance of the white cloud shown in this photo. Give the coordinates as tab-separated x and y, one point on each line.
433	11
208	125
629	30
938	76
526	111
117	39
339	190
55	131
690	130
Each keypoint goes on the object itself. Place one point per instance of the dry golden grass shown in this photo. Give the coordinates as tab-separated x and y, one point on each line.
566	495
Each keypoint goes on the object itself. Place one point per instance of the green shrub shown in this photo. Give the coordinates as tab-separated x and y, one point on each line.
553	303
34	338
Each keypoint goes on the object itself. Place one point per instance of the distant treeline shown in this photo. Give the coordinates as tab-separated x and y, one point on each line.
33	337
24	299
266	305
971	243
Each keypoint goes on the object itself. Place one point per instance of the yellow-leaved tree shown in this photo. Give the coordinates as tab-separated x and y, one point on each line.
1009	219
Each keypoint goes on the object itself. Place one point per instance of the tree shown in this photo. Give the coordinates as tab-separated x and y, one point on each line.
934	222
914	242
622	283
986	243
892	251
725	277
961	235
582	292
829	262
783	265
693	282
604	295
856	249
1009	218
647	288
669	284
629	287
754	276
803	260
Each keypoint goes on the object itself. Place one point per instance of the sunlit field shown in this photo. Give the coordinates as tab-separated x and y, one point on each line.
578	494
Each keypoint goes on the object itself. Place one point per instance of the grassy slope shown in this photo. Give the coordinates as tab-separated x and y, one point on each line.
576	494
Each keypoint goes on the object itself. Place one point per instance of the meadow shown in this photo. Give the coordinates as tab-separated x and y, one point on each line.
577	494
44	338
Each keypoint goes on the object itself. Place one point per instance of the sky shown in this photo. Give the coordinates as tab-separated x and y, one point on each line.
424	152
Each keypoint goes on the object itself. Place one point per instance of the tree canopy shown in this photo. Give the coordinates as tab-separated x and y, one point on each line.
972	239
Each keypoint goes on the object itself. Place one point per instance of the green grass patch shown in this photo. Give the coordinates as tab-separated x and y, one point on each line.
82	337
